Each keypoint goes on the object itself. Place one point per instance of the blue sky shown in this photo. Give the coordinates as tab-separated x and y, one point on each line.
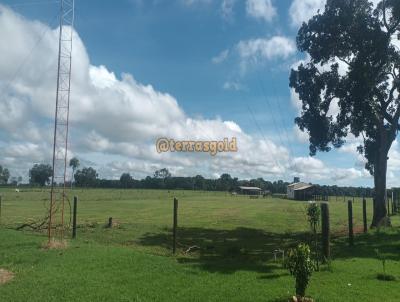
170	45
220	60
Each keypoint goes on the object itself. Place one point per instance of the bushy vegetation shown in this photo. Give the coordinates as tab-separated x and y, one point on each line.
4	175
40	174
313	217
300	266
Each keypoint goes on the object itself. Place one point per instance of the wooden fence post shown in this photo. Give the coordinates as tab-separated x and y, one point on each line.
175	225
350	212
109	222
74	217
365	215
392	204
326	249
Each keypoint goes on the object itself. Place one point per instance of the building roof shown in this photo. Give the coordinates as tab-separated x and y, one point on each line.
250	188
297	186
303	187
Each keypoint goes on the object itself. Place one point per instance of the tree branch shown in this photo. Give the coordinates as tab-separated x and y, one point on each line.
345	61
394	72
389	29
390	98
384	16
395	123
393	29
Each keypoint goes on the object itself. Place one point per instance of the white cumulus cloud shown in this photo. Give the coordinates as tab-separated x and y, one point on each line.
261	9
227	9
266	49
115	120
222	56
302	10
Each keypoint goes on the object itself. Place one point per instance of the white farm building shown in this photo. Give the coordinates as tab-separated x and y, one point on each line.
300	191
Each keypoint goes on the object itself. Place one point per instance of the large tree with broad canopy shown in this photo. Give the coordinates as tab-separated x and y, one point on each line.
353	64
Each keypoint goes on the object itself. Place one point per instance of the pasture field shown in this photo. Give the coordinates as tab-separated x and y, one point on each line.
231	239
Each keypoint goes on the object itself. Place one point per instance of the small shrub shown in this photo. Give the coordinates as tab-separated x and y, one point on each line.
299	264
383	276
313	217
382	258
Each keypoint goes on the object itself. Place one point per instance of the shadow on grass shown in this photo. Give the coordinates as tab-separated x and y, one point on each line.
249	249
226	251
386	241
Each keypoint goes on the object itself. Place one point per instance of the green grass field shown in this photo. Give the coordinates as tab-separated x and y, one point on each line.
232	261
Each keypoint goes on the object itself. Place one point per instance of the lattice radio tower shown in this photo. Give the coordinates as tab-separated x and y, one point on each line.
60	143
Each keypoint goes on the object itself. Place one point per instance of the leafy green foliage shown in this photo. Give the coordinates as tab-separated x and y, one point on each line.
126	180
4	175
74	163
40	174
299	264
162	173
226	182
87	177
313	215
354	64
351	82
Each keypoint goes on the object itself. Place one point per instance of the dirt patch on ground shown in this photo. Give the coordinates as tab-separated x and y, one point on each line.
344	232
5	276
55	245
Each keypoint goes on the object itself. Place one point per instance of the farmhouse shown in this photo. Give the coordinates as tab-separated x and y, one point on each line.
300	191
250	190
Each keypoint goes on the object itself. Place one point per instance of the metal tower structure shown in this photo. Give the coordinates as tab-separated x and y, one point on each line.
60	143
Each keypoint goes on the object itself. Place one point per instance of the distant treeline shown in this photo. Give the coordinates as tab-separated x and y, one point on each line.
226	183
162	179
40	175
344	191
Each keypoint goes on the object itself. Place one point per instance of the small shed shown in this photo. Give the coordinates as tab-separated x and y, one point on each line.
300	191
250	190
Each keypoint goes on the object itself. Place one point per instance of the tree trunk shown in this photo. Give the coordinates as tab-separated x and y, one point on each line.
380	168
72	179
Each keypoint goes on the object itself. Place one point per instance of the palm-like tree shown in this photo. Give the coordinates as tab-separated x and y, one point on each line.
74	164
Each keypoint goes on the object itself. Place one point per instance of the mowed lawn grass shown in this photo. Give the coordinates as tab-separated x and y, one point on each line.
231	238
